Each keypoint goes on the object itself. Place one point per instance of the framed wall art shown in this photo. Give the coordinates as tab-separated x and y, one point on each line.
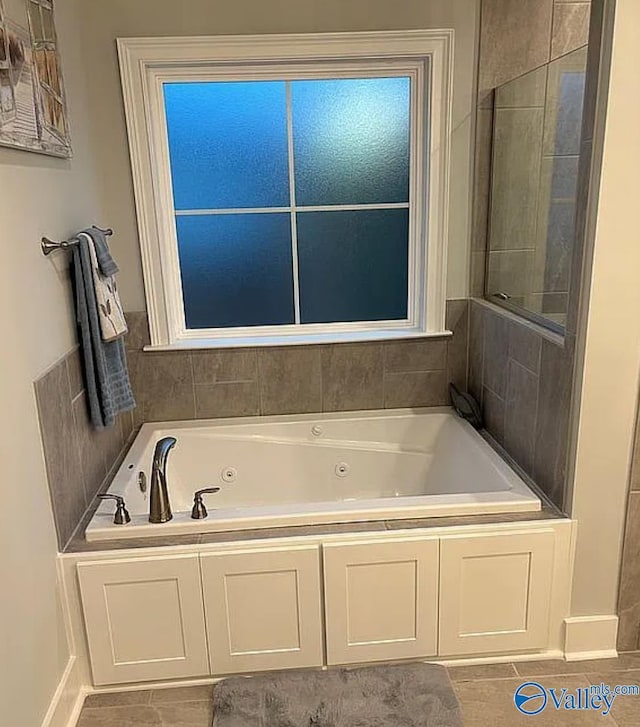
33	112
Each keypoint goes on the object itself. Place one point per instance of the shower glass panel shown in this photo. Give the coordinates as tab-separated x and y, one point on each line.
537	122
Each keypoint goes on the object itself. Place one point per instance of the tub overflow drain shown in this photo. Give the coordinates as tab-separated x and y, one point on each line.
342	469
229	474
316	430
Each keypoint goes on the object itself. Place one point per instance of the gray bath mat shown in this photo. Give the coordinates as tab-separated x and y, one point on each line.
407	695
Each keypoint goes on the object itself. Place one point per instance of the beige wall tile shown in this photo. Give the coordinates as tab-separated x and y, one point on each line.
476	350
226	399
138	335
570	27
493	411
516	178
482	178
457	320
91	452
514	39
520	414
554	397
290	379
525	91
75	372
496	350
510	272
167	386
422	355
525	346
413	389
210	367
61	450
352	377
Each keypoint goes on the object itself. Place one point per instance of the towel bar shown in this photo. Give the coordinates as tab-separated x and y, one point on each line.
48	246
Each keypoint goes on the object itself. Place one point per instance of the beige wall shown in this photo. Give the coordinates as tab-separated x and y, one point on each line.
611	332
105	20
39	195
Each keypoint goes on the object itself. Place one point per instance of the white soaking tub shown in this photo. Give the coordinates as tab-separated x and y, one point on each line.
316	468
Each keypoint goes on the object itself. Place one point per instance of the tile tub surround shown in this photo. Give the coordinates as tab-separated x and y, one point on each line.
523	383
78	544
527	402
296	379
79	460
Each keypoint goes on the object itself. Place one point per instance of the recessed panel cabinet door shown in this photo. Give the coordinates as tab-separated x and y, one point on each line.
144	618
381	600
263	609
495	592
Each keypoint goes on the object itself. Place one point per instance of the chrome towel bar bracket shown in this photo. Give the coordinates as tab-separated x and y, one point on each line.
48	246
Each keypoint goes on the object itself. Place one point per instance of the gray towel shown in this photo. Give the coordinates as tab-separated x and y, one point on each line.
106	263
105	365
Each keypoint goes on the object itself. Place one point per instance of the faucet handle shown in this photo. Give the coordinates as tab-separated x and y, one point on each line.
121	515
199	511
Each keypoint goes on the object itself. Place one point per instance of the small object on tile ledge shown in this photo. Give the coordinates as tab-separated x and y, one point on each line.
466	406
48	246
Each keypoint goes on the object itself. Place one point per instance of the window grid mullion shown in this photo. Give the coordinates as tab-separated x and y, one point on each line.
292	204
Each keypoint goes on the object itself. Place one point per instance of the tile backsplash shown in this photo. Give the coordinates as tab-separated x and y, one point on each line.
296	379
78	458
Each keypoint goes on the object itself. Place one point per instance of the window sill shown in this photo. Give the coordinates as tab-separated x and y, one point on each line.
297	340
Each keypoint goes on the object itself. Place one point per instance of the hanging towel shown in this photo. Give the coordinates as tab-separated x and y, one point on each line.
103	268
105	365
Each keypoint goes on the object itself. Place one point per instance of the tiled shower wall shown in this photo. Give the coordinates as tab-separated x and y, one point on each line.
78	458
629	599
523	382
230	383
522	376
516	36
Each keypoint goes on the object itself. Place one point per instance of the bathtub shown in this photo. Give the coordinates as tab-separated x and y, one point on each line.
318	468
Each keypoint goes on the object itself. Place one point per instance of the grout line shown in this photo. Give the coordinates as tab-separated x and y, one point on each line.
522	366
414	371
258	380
148	703
193	386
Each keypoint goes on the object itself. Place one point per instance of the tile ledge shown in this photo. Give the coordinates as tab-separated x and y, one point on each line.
551	336
392	334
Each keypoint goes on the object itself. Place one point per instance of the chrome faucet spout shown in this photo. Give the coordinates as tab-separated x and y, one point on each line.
159	504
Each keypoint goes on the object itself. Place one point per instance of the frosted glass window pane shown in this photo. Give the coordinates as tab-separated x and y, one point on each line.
351	140
353	265
228	144
236	269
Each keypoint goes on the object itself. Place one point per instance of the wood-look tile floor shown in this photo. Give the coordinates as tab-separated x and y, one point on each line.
485	693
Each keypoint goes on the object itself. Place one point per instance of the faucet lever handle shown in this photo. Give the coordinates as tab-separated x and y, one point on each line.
121	515
199	511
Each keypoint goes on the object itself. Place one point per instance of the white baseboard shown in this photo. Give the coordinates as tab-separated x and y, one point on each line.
66	704
590	637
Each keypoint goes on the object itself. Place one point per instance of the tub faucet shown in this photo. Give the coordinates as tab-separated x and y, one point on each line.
159	505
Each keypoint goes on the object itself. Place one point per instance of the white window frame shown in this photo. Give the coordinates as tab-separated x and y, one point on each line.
426	56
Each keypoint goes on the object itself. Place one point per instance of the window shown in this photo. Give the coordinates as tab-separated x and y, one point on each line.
290	188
